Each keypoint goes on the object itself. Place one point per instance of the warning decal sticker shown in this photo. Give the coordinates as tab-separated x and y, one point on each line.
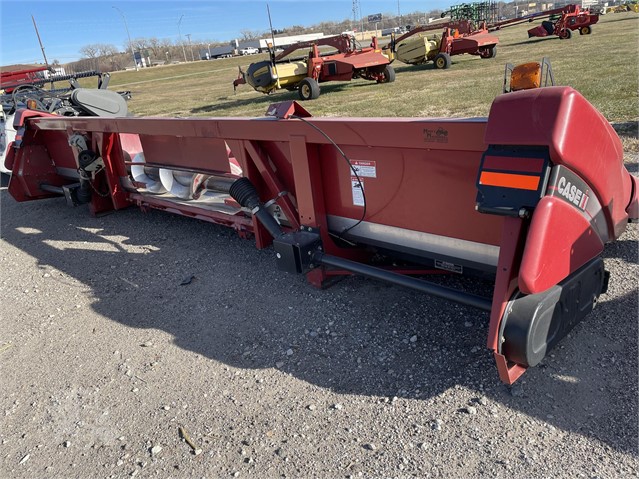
365	169
358	192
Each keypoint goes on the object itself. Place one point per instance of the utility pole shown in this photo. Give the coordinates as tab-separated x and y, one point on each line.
126	27
399	14
188	35
357	12
46	62
180	33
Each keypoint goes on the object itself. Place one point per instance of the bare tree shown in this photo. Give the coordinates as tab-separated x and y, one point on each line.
248	35
140	43
106	49
155	45
295	30
90	51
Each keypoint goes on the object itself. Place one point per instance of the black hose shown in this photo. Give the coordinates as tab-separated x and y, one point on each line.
245	194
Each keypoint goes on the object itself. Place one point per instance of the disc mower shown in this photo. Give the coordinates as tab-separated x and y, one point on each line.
418	46
561	22
526	197
345	62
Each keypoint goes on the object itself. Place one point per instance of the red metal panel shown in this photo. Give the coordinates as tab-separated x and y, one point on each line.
512	245
399	133
420	190
275	187
511	249
114	168
308	180
360	60
471	43
560	241
26	187
194	153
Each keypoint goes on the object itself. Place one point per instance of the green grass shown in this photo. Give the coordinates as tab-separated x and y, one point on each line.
603	66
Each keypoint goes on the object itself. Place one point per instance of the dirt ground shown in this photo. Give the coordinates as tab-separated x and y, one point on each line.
106	354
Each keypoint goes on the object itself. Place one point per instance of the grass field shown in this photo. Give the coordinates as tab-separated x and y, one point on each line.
603	66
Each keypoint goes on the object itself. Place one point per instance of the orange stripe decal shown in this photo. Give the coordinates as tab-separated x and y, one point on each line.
507	180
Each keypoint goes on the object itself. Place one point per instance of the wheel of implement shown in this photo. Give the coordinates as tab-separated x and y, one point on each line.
565	34
389	75
308	89
442	61
489	53
587	30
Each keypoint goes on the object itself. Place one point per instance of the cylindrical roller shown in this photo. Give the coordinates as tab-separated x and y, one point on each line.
203	183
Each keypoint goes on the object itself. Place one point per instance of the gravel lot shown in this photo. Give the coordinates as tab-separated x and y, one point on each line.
105	355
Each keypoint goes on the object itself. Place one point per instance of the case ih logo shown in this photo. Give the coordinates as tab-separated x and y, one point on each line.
440	135
572	193
569	187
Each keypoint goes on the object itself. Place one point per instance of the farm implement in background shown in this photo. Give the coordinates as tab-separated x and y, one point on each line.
526	197
345	61
561	22
25	88
457	38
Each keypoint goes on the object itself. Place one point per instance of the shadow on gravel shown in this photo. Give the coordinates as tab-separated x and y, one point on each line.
353	338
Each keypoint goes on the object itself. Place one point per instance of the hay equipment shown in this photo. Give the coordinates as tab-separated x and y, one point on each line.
561	22
344	62
459	37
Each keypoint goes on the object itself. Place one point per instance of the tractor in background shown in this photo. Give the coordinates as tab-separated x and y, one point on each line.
344	62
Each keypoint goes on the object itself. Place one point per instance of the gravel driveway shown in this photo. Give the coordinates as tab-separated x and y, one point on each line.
106	354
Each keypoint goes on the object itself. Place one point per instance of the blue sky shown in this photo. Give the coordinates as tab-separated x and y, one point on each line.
66	26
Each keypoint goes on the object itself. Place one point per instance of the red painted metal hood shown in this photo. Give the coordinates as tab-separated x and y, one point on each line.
578	137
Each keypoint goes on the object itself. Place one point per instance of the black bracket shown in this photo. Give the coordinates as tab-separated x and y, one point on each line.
294	251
